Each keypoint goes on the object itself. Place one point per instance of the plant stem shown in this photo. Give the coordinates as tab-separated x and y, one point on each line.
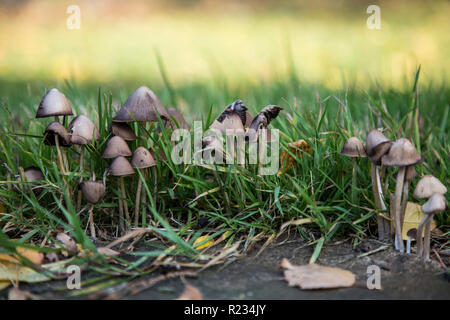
143	200
406	185
91	221
138	202
427	236
398	195
419	236
124	201
58	149
81	178
378	202
121	224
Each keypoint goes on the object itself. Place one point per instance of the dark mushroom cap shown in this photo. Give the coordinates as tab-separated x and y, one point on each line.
353	147
56	130
436	204
123	130
142	105
377	145
93	191
142	158
401	154
83	130
261	121
120	167
428	185
53	104
179	118
116	147
33	174
412	233
230	122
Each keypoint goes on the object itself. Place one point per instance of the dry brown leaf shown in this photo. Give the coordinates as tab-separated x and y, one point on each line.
314	276
68	242
17	294
32	255
190	293
108	251
297	148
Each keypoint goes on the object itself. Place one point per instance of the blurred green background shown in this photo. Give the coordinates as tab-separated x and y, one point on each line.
325	42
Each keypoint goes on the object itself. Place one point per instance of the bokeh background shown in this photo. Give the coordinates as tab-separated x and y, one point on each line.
325	42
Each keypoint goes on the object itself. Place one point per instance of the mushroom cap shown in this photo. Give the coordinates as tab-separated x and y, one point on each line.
116	147
248	119
428	185
353	147
435	204
123	130
412	233
231	121
120	167
179	118
33	174
54	103
56	130
142	105
410	173
142	158
83	130
93	191
401	154
377	145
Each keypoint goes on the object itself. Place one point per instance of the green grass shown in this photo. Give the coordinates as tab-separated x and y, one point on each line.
237	202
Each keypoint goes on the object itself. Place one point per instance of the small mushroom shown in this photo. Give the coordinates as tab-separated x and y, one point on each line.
143	105
123	130
177	116
56	135
120	168
54	104
412	235
116	147
31	174
141	159
82	131
93	191
353	148
410	174
436	204
401	154
428	185
377	145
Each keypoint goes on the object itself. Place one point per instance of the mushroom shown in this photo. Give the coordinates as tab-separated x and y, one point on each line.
353	148
141	159
436	204
401	154
54	104
233	117
412	234
425	188
116	147
176	119
120	168
56	135
93	191
142	105
377	145
82	131
410	174
31	174
123	130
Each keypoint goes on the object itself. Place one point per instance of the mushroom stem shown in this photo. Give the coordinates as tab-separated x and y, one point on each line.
124	201
408	246
392	215
404	201
143	200
155	177
138	200
378	202
58	149
81	178
419	236
91	221
398	195
427	236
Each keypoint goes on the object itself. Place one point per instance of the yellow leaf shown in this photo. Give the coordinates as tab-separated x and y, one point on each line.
204	245
4	284
297	148
413	216
32	255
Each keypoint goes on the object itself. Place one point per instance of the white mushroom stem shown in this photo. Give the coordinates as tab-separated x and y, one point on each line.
427	236
408	246
121	224
91	221
124	201
81	178
138	201
419	238
58	150
406	185
378	200
143	200
392	215
398	195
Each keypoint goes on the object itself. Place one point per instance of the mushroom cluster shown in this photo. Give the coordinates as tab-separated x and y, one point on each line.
384	153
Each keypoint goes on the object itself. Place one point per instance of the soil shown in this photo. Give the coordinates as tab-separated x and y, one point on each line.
259	277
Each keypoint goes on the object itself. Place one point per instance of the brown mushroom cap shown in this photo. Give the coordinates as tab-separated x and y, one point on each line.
56	130
142	158
401	154
33	174
248	119
123	130
179	118
231	121
83	130
53	104
120	167
410	173
93	191
353	147
428	185
142	105
377	145
116	147
412	233
435	204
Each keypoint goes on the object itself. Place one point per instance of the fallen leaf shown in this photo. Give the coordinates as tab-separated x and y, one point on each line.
4	284
68	242
17	294
297	148
34	256
413	216
108	251
204	245
314	276
190	293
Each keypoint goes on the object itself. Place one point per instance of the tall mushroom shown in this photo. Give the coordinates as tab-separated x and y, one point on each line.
436	204
353	148
82	131
410	174
377	145
141	159
401	154
31	174
93	191
425	188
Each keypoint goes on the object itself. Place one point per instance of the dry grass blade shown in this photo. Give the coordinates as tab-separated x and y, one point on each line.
225	253
130	235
